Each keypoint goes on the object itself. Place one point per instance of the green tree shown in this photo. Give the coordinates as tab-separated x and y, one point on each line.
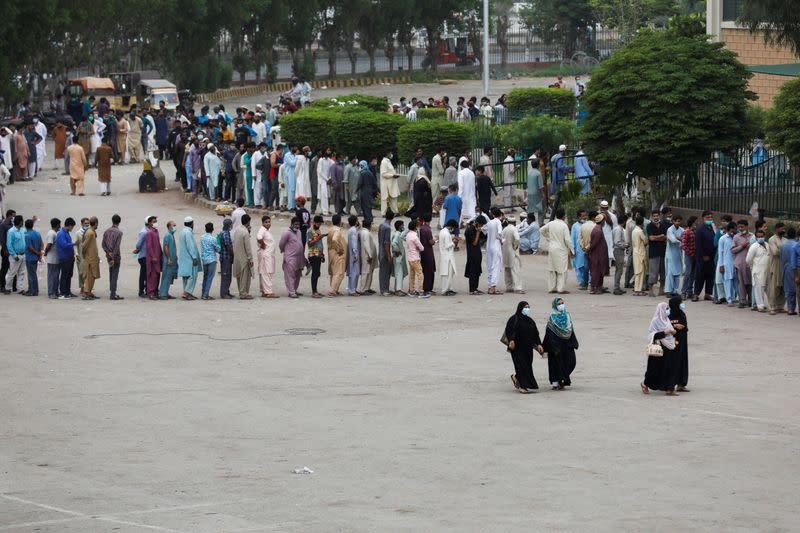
779	20
783	121
665	101
298	30
434	16
629	15
562	22
504	9
372	29
541	131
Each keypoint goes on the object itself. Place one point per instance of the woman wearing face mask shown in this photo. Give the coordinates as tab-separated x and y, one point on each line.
560	344
660	374
523	338
677	317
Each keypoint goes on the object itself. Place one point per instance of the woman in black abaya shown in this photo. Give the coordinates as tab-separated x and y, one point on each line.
523	339
677	316
560	344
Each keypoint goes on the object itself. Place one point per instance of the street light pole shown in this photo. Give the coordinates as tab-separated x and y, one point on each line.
485	60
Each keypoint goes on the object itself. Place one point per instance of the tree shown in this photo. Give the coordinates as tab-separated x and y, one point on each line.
371	30
542	131
504	10
783	121
434	15
779	20
629	15
298	30
665	101
563	22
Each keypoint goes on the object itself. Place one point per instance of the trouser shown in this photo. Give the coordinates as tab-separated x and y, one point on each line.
619	267
275	201
688	275
16	270
75	185
760	293
265	282
384	273
4	270
672	284
703	276
243	281
338	198
582	275
225	280
656	271
513	282
135	149
32	167
209	269
365	281
88	281
228	189
66	162
66	268
336	281
790	289
474	281
639	274
414	276
729	287
447	282
167	277
152	282
628	269
745	286
33	278
776	297
53	269
322	193
556	280
398	273
142	276
112	142
316	265
313	185
350	203
366	210
352	281
392	201
189	282
105	187
291	192
259	198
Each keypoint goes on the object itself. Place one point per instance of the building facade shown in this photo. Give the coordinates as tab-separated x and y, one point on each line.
771	66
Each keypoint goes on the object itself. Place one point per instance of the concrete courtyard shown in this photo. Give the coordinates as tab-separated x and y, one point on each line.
190	417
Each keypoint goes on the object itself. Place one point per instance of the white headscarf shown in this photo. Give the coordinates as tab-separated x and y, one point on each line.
659	324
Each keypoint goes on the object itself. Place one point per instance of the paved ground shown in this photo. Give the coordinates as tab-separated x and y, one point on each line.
190	416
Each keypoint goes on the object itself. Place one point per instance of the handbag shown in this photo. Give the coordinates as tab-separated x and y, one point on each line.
654	350
503	338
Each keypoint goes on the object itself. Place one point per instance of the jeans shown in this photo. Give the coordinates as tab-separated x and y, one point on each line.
113	276
619	267
66	267
209	270
53	270
656	271
142	276
688	275
33	278
703	276
225	268
316	264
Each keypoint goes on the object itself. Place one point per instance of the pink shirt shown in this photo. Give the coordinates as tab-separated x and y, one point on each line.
413	246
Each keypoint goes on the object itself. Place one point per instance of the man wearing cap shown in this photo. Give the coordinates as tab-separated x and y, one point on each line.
153	258
559	169
189	260
243	258
584	173
535	190
169	262
141	252
597	252
608	227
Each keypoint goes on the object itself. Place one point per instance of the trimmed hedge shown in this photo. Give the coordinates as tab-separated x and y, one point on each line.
309	126
367	134
432	113
540	100
431	135
539	131
375	103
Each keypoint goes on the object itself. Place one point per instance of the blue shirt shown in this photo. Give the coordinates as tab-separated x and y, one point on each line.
65	248
452	209
15	241
34	240
141	243
209	248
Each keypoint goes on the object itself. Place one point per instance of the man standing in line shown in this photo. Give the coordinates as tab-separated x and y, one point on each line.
390	190
153	259
673	262
790	252
169	262
579	262
103	157
33	256
656	252
741	245
123	126
316	253
511	256
559	252
758	260
337	184
266	258
466	191
705	255
369	259
427	258
51	255
437	169
337	255
189	260
447	259
688	247
776	292
323	178
112	240
312	178
536	190
141	253
65	248
91	259
353	256
77	167
226	259
15	245
597	253
621	246
725	266
494	248
243	258
294	260
385	253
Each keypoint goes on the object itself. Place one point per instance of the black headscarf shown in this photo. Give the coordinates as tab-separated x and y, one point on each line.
522	330
675	311
520	307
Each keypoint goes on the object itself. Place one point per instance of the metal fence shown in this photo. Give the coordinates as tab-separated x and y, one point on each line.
733	182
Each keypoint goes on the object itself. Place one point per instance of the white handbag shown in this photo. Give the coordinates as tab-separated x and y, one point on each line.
654	350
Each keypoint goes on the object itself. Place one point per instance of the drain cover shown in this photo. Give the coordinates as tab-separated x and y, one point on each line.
304	331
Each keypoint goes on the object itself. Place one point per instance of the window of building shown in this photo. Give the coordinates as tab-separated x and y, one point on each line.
731	10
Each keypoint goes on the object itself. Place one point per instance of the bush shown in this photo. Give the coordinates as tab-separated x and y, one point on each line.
431	135
307	68
541	131
432	113
366	133
540	100
755	121
783	121
309	126
375	103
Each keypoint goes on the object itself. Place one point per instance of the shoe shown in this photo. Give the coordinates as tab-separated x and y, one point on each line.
425	295
707	298
721	301
580	288
618	292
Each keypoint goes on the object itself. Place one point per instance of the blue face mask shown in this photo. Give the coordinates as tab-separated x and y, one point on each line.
708	222
560	307
683	307
668	311
760	240
526	311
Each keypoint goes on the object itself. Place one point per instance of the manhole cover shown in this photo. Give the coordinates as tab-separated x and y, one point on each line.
304	331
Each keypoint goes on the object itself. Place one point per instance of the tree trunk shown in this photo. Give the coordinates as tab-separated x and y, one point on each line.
241	77
332	62
353	61
371	54
389	52
410	56
502	39
433	47
258	71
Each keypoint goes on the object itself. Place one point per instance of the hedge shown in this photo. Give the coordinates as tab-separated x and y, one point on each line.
309	127
432	113
367	134
540	100
430	135
375	103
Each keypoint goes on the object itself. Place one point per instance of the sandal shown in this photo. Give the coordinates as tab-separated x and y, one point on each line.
683	389
515	381
671	393
645	390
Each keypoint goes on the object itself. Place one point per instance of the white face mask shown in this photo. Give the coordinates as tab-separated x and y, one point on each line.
155	224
